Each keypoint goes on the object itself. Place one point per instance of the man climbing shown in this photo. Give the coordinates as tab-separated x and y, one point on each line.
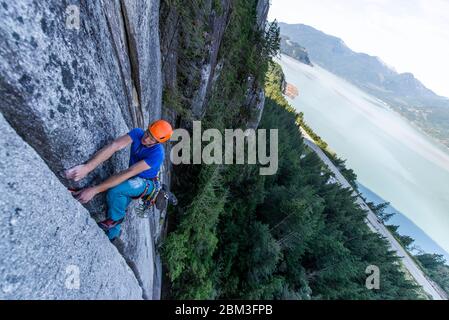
146	157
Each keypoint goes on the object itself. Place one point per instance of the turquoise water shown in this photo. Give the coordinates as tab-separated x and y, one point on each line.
423	243
390	157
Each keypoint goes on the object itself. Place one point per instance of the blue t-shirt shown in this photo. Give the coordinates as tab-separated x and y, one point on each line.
153	156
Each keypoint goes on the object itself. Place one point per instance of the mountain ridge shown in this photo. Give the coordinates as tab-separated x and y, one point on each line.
341	47
403	91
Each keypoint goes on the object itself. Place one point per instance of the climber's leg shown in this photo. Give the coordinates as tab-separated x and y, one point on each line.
114	232
118	199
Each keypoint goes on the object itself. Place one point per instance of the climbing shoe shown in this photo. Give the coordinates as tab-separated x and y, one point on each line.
108	224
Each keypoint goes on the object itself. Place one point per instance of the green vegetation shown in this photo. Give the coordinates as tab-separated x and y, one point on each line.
379	210
239	235
349	174
320	142
244	54
434	265
294	50
287	236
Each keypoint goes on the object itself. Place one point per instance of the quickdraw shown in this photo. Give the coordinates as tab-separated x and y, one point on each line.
151	198
156	188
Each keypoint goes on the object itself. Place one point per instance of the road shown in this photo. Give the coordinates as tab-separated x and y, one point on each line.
376	226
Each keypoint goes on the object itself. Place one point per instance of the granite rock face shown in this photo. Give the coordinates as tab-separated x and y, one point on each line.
142	29
255	101
68	92
75	75
217	26
255	96
51	247
70	88
263	6
61	88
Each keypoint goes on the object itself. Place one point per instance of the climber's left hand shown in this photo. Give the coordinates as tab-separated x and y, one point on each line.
86	194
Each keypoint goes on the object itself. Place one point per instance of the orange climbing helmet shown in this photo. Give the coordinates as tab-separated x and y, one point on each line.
161	130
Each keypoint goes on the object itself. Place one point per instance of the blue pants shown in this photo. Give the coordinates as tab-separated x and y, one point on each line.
119	198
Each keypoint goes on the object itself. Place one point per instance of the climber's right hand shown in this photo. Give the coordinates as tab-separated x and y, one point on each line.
77	173
86	194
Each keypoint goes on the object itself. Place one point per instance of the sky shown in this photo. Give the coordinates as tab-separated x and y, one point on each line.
408	35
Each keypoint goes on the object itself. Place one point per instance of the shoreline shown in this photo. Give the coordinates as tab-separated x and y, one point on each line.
373	223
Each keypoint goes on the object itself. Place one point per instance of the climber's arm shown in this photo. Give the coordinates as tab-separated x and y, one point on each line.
107	152
87	194
79	172
122	176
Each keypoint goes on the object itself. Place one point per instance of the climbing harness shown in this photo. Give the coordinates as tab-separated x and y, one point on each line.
159	197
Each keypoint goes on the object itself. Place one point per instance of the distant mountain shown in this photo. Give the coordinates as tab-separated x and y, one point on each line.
294	50
402	91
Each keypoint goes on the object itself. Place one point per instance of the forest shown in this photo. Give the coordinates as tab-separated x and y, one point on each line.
292	235
236	234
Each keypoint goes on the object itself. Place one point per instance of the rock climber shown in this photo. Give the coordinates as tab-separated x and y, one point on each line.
140	179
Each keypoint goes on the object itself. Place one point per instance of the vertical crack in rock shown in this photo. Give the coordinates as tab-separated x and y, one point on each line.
44	234
118	45
132	265
135	109
124	52
67	94
140	21
261	13
255	97
169	42
218	23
